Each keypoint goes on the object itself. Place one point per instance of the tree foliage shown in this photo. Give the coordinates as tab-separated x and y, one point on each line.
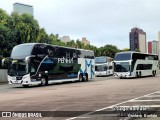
16	29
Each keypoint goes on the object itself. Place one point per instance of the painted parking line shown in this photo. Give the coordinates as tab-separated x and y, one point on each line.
110	107
153	96
132	99
153	100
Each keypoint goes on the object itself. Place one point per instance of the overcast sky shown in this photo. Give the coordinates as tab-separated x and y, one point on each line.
100	21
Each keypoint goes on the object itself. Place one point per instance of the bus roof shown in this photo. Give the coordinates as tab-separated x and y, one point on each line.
135	52
32	44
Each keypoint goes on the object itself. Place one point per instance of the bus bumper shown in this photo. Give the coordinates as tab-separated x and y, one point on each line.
102	73
123	75
25	80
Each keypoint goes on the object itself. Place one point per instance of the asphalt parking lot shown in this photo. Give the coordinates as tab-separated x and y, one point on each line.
90	100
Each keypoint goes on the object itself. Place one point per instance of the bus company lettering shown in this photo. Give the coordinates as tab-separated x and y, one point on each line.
23	114
65	60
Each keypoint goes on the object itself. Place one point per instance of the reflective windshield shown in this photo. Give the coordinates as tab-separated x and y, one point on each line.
21	51
100	68
17	68
121	67
122	56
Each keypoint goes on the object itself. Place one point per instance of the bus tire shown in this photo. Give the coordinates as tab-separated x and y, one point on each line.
140	74
26	86
86	77
153	73
137	75
44	81
81	77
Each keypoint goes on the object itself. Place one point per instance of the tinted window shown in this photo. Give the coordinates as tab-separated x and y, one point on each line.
110	67
39	51
122	56
136	56
53	51
122	67
18	68
144	67
101	68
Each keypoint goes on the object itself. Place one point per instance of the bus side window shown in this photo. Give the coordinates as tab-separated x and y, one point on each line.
32	70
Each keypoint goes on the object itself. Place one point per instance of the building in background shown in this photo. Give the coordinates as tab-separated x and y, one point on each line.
85	41
159	43
65	39
150	47
153	47
137	39
22	8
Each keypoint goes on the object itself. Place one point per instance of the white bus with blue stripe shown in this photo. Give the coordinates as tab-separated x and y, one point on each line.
135	64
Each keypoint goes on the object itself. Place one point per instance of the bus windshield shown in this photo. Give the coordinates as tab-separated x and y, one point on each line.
122	56
121	67
21	51
100	68
100	59
17	68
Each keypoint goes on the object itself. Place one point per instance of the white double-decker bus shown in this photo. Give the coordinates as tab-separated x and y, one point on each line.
135	64
103	66
36	63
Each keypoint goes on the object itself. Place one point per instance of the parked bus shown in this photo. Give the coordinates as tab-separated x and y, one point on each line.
42	64
103	66
135	64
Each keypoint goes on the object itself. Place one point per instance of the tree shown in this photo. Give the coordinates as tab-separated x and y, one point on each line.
5	34
26	28
125	49
71	44
42	36
137	50
16	29
108	50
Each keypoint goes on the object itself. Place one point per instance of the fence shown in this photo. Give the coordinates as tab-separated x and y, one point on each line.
3	75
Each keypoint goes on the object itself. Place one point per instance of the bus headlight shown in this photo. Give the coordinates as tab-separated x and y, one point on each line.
25	77
13	78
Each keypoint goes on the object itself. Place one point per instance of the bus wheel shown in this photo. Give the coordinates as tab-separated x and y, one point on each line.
80	77
26	86
140	74
44	81
153	73
137	74
86	77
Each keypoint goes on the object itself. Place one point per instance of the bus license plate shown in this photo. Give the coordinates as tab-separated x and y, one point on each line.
16	82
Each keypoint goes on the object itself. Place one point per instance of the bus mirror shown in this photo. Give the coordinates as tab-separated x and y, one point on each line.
27	59
3	61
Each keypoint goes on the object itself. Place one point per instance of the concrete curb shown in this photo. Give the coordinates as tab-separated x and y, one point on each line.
2	83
